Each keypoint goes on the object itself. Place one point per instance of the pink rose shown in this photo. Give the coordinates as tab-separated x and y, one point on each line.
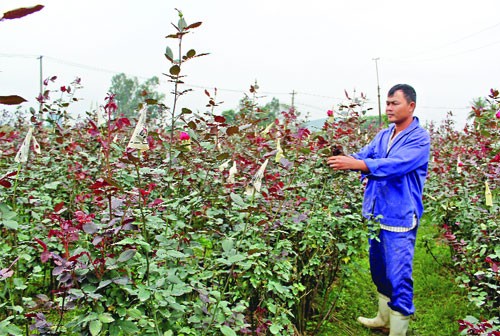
330	113
498	114
184	136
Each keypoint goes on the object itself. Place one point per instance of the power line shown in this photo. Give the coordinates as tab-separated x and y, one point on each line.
317	95
18	55
82	66
443	108
439	47
93	68
470	35
460	53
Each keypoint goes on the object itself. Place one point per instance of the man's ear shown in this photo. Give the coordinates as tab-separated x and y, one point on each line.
412	106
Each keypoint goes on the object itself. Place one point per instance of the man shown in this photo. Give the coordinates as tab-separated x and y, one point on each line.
395	165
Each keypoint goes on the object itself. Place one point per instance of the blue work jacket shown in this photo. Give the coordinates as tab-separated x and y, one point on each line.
396	178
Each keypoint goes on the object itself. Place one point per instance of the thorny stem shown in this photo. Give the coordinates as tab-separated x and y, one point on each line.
14	206
174	106
61	313
143	217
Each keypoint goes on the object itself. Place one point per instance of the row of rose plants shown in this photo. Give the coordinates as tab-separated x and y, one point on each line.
185	225
213	228
462	198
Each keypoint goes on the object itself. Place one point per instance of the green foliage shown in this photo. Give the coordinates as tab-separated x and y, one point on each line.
130	94
439	302
216	227
373	121
462	196
113	240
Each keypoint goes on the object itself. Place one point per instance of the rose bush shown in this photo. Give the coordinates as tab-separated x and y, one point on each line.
462	198
209	228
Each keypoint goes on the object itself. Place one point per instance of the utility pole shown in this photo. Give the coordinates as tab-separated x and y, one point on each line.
378	91
293	99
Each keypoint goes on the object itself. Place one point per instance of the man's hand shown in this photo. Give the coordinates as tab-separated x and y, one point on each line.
342	162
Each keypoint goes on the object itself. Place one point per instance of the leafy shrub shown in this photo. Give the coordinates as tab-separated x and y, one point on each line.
99	237
462	195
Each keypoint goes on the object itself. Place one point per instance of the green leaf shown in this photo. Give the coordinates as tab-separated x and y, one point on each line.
180	289
10	224
106	318
238	200
169	54
133	241
227	245
104	283
182	24
7	217
191	53
134	313
51	185
227	331
176	254
126	255
236	258
6	212
128	327
144	294
95	327
275	328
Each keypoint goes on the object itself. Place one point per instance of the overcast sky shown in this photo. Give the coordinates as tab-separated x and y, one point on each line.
448	50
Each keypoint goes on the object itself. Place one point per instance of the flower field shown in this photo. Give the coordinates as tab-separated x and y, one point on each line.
188	224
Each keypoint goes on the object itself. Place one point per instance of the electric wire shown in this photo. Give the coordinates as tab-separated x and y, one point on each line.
447	44
99	69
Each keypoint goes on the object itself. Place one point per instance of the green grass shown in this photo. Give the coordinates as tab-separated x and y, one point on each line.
439	302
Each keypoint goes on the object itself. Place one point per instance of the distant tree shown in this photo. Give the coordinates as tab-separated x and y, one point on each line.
230	116
374	122
271	110
129	93
478	106
267	113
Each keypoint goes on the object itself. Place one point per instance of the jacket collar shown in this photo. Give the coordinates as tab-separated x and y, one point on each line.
414	124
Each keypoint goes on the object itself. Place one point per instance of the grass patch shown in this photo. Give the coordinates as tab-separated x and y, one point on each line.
439	302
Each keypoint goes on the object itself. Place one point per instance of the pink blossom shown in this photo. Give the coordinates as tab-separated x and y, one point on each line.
498	114
184	136
329	113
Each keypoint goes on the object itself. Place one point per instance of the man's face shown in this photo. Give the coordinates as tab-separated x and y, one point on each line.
398	110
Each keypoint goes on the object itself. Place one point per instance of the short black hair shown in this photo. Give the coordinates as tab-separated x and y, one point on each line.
408	91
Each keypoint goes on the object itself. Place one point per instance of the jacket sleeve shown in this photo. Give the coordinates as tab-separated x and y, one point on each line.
367	151
412	154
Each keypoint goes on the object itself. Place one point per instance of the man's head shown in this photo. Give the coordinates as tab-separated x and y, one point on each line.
401	101
408	92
